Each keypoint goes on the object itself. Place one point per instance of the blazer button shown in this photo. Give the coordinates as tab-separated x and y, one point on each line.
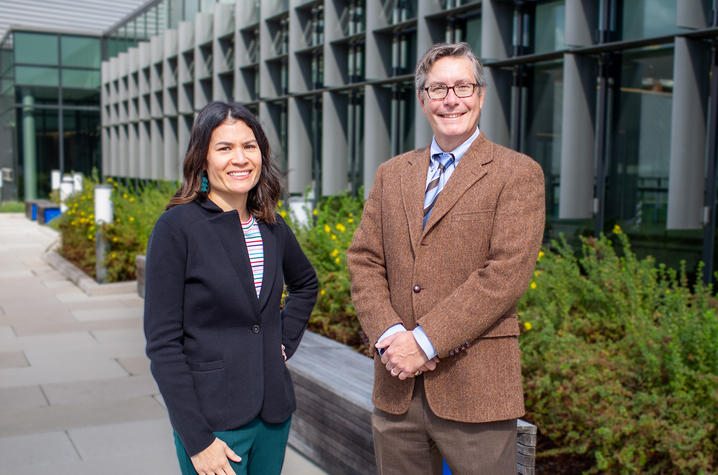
256	328
417	289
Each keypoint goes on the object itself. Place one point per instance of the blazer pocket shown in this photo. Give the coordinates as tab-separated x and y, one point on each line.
507	326
206	365
481	214
210	383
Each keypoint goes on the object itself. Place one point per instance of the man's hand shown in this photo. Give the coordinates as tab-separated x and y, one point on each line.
213	459
403	356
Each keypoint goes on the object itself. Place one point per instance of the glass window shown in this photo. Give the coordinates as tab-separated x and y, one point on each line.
80	97
80	51
35	48
639	163
83	78
646	18
543	126
549	26
36	76
81	140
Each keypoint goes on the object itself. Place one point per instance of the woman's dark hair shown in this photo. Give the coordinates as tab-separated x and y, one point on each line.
263	198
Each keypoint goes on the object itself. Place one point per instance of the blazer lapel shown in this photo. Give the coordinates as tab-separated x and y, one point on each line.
269	244
413	184
471	168
229	231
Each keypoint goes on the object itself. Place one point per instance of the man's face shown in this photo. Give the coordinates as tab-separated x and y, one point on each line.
453	119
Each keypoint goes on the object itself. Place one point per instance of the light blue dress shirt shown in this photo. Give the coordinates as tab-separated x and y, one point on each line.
458	152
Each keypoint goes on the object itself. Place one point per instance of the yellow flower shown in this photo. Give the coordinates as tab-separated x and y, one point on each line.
279	203
132	199
283	213
350	220
335	252
537	273
322	292
617	229
527	326
315	212
124	195
132	218
351	214
113	255
533	285
334	237
337	260
327	229
540	255
109	179
341	227
668	291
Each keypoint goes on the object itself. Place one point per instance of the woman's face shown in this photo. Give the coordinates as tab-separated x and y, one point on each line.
234	162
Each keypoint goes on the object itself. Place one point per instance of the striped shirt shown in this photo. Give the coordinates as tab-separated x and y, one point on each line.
253	238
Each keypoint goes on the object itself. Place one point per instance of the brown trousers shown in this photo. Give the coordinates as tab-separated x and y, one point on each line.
415	442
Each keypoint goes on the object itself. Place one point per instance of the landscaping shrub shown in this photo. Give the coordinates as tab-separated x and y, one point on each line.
620	360
135	213
325	240
619	354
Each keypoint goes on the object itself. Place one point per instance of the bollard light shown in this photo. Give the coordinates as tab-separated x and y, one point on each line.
104	212
66	187
55	179
77	182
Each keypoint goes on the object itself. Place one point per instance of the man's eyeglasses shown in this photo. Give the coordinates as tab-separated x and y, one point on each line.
439	91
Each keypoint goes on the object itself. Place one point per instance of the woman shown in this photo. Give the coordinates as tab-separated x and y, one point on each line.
217	263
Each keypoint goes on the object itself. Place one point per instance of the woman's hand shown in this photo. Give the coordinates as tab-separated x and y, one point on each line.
213	459
284	355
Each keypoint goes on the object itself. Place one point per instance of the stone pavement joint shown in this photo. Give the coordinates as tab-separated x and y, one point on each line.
76	396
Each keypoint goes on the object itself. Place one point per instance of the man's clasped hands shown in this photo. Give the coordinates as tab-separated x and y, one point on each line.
404	358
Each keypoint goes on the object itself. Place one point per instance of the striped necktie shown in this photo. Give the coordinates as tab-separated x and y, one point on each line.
436	183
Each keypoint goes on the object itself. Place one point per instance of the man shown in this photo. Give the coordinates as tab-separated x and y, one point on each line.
446	246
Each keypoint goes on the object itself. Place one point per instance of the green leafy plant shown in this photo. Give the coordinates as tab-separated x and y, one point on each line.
135	211
325	239
620	359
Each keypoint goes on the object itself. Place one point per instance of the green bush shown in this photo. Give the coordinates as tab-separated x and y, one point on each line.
620	360
325	240
619	354
135	213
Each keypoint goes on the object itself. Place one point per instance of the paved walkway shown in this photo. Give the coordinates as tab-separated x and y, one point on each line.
76	396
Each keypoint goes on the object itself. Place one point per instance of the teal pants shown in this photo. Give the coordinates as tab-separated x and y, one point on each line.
260	445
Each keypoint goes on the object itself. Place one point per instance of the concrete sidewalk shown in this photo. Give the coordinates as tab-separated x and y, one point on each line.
76	396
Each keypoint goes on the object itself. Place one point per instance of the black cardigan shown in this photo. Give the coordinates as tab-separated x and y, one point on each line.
215	348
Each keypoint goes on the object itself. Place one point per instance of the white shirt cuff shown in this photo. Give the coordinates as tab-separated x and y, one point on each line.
424	342
396	328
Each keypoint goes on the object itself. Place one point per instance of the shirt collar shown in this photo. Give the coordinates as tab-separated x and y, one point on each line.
459	151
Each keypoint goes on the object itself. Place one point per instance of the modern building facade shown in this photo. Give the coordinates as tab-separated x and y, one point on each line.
616	99
50	55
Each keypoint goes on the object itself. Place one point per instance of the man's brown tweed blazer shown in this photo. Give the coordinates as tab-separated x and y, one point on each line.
459	278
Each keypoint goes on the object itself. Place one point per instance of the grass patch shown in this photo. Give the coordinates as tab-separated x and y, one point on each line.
12	207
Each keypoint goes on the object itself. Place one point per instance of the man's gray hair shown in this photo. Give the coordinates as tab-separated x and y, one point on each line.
441	50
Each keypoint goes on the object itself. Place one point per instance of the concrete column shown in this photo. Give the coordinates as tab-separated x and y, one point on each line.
688	140
29	146
496	28
581	20
171	157
694	13
377	140
335	164
496	112
299	161
577	137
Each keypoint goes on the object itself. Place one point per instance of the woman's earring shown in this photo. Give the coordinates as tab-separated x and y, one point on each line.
204	187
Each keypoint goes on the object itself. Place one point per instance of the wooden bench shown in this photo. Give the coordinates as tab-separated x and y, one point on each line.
332	424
